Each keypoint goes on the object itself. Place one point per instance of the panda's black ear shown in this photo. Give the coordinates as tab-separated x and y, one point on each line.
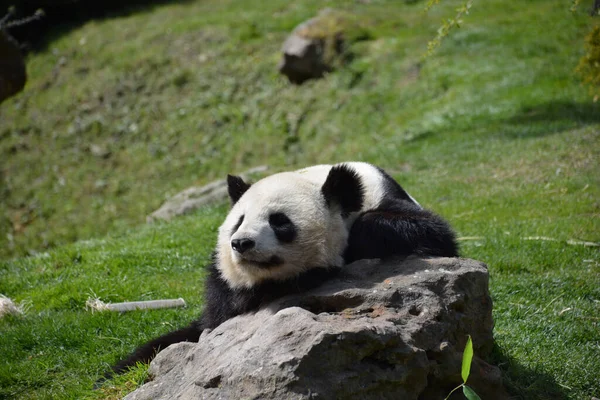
236	187
343	189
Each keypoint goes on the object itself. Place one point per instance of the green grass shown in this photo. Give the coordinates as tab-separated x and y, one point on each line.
59	349
493	131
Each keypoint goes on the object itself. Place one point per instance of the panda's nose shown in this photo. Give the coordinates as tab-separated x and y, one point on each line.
241	245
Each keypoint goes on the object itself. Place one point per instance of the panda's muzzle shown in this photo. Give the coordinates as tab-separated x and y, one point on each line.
271	262
242	245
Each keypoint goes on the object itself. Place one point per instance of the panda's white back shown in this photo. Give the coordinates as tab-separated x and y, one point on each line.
371	177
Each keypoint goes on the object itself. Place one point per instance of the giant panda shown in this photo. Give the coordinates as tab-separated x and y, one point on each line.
290	231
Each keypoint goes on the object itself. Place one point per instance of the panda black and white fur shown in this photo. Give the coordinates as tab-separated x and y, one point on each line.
291	231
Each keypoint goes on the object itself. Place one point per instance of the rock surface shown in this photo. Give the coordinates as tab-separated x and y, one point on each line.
195	197
392	330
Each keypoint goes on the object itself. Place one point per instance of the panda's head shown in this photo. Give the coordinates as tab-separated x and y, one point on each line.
286	224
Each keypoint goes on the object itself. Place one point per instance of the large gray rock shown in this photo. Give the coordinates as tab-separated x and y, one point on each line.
195	197
392	330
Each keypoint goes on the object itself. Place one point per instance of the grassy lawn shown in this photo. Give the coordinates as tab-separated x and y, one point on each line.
493	131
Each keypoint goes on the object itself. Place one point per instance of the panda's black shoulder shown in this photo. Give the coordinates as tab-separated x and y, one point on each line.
223	302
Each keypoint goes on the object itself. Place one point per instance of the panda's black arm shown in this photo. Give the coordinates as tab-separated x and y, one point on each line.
147	351
399	228
218	309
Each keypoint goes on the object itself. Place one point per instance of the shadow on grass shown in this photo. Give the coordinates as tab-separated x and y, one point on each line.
552	117
522	382
63	16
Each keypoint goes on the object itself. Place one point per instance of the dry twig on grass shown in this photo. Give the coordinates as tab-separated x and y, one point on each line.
98	305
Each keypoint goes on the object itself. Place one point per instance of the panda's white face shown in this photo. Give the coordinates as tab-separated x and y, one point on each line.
280	227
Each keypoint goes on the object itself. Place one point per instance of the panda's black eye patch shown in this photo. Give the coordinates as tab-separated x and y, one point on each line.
237	225
284	228
278	219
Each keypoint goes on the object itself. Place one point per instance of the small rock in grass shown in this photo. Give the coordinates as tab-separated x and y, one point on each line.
195	197
315	46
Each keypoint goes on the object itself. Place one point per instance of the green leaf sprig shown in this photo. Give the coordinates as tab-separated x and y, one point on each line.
464	373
